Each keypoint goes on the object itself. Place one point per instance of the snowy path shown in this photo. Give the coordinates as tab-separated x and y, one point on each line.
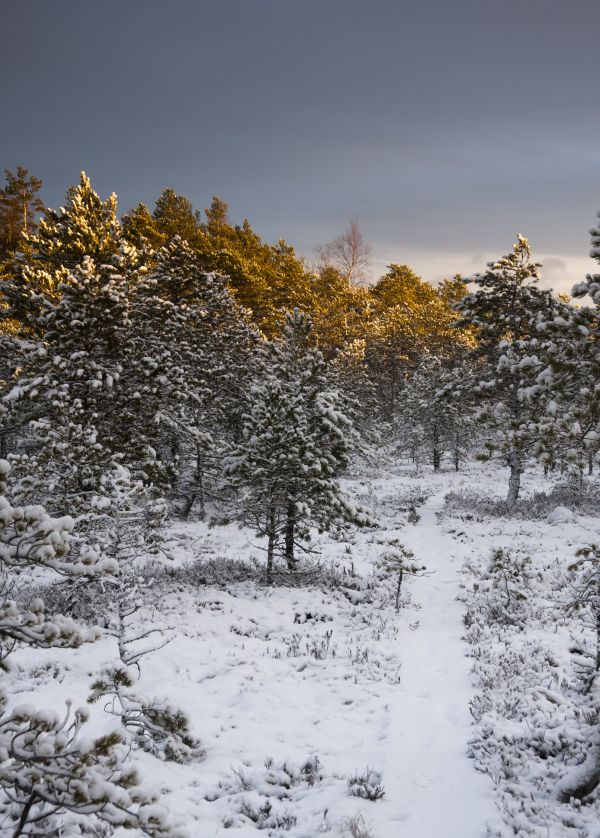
432	789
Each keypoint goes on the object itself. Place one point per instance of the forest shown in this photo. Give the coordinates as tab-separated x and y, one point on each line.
244	491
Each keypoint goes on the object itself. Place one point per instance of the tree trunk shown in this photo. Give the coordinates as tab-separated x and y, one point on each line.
437	456
590	463
596	612
399	588
290	526
196	493
514	481
393	390
25	815
456	453
271	547
121	627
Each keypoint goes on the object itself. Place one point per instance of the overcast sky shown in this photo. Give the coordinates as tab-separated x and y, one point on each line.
445	127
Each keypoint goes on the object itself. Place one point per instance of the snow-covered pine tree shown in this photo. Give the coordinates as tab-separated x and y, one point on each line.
398	561
128	525
295	441
10	357
430	421
85	226
566	392
504	313
586	600
352	378
92	391
48	772
190	314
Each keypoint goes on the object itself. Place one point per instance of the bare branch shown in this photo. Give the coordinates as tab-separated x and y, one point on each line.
349	253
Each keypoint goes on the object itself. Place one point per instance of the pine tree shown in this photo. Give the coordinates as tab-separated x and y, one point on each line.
140	228
295	440
92	392
174	215
192	314
430	422
47	771
505	313
359	393
566	391
128	524
19	206
85	227
409	319
265	279
340	311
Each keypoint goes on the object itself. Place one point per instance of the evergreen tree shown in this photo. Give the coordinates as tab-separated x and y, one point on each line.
295	439
451	291
353	380
46	768
430	422
340	311
217	216
140	228
174	215
210	342
85	226
409	319
19	206
265	279
566	391
91	391
505	313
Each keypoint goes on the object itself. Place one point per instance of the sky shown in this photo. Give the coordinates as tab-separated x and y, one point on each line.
446	128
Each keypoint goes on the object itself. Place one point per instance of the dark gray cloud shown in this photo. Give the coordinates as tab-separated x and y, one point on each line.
446	127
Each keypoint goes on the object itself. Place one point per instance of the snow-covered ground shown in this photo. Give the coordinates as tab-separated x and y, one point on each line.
298	693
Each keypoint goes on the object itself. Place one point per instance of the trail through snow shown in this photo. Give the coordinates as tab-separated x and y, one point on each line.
431	786
375	691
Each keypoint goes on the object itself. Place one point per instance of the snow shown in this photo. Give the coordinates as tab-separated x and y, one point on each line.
560	515
429	777
297	694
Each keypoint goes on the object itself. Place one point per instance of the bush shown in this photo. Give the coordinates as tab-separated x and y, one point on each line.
366	785
534	508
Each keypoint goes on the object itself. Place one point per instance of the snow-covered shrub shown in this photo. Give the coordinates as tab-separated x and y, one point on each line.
32	627
219	571
261	812
399	562
502	591
31	537
585	598
534	733
47	768
536	507
272	780
156	724
89	601
367	785
356	827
